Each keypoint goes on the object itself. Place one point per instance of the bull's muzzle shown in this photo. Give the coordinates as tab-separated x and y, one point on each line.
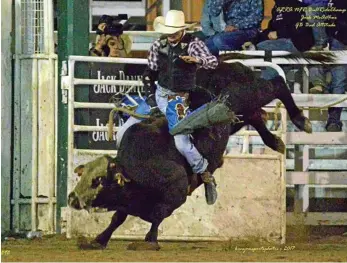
73	201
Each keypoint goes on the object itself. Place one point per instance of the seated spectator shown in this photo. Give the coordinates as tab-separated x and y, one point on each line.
243	19
319	34
338	85
337	41
283	34
211	25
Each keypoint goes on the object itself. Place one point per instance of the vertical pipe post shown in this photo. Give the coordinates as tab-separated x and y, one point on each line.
34	146
73	39
17	118
283	172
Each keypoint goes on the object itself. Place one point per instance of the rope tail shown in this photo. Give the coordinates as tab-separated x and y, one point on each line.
322	57
121	109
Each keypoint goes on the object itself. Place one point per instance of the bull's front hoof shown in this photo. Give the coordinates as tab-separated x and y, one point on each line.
302	123
84	244
143	246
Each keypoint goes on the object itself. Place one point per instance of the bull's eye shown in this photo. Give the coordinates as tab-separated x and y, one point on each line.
96	182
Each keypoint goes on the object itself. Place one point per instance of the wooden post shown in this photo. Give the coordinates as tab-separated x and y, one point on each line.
153	9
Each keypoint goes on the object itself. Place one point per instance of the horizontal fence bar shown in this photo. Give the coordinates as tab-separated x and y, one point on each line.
35	56
254	133
142	61
95	152
92	105
107	82
318	164
317	178
331	138
253	156
276	53
318	218
40	200
315	100
85	128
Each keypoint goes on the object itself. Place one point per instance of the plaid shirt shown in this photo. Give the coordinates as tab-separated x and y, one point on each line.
196	49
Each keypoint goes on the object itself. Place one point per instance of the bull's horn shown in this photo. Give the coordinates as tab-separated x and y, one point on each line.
79	170
110	125
121	179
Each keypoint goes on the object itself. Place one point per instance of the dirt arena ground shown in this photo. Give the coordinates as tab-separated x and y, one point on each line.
57	248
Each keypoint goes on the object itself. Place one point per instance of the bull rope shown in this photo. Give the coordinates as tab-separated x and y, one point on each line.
324	107
125	110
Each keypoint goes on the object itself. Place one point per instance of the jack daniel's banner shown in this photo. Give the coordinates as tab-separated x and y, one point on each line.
104	93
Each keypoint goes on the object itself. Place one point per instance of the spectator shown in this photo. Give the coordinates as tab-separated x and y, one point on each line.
211	25
337	42
243	19
283	34
117	44
100	41
113	43
319	34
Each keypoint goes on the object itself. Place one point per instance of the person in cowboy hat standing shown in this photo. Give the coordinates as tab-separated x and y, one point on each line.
172	61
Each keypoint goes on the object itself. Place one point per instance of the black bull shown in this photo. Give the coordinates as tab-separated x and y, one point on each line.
159	175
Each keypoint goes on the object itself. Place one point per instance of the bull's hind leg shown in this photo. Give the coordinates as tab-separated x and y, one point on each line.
271	140
102	239
295	114
151	239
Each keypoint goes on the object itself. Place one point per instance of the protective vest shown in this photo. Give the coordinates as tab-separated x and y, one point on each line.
175	74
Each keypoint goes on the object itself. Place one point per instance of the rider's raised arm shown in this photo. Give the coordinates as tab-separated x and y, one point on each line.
199	50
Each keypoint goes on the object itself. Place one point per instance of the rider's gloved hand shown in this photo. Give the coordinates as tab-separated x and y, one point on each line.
148	79
151	100
149	84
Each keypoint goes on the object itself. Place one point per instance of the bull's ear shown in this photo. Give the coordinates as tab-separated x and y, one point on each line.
79	170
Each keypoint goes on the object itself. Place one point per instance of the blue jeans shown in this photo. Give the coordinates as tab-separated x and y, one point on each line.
182	141
211	25
281	44
338	83
319	34
230	40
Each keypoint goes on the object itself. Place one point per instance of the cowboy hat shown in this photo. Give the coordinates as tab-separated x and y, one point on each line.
173	22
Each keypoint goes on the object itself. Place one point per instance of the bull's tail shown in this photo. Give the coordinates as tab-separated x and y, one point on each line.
322	57
125	110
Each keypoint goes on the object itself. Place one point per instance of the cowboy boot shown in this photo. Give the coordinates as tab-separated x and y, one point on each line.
334	124
210	187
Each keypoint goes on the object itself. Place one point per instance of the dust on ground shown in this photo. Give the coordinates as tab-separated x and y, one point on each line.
58	248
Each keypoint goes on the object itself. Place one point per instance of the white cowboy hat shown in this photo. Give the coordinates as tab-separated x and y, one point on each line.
173	22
